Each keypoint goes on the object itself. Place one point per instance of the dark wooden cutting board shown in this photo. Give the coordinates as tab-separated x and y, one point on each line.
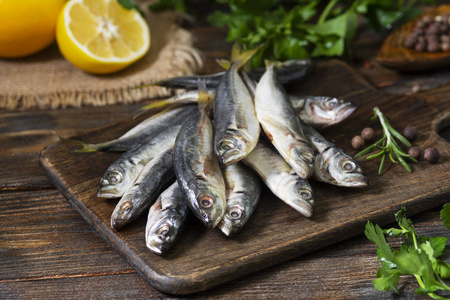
204	258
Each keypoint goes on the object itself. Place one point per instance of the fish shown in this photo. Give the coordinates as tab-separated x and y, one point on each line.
288	71
155	177
236	128
122	173
281	179
333	165
243	191
187	97
281	124
322	111
166	120
166	219
190	82
197	168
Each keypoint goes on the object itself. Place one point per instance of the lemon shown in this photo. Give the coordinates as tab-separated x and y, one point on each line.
27	26
101	36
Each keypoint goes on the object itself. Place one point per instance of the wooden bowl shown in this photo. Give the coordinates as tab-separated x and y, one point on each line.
394	55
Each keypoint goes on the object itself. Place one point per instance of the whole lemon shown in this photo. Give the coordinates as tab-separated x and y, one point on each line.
27	26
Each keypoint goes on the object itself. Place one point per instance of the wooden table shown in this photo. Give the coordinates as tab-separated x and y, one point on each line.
48	251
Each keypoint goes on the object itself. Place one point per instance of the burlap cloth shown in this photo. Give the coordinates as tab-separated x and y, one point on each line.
47	80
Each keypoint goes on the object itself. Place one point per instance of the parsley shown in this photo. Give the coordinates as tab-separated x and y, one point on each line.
388	145
417	256
445	215
297	29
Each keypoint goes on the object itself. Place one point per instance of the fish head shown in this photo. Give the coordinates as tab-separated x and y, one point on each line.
210	207
161	235
236	214
339	168
232	147
122	212
115	182
301	156
328	111
298	194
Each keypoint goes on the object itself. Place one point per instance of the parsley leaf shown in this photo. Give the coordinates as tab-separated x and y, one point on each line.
445	215
417	256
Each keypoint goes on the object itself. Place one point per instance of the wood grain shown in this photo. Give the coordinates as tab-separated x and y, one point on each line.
276	233
394	55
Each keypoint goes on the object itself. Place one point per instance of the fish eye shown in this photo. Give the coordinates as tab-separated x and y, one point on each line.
226	145
126	206
114	177
331	103
206	201
348	166
235	213
306	194
163	230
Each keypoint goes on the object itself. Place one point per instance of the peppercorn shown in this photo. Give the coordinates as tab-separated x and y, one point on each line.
410	133
431	154
414	152
357	142
367	134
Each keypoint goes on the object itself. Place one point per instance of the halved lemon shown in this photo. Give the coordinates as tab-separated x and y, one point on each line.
101	36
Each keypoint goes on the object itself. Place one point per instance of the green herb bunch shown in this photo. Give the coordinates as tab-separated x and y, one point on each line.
388	145
296	29
417	256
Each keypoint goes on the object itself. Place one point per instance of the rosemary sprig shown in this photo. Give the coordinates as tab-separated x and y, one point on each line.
388	145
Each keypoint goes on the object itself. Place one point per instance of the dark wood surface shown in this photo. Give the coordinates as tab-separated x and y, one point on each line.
276	232
48	251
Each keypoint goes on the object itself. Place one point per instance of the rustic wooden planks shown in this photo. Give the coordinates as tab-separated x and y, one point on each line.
276	232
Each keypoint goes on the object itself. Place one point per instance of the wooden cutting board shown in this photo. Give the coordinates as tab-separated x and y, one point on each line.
204	258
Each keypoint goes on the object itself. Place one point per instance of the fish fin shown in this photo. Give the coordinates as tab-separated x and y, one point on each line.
224	63
84	147
241	57
156	104
269	63
205	100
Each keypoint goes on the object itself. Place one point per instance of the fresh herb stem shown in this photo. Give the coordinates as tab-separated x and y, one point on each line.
388	145
326	11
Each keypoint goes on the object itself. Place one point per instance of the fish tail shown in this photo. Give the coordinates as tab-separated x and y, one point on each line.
224	63
205	101
241	58
157	104
269	63
83	147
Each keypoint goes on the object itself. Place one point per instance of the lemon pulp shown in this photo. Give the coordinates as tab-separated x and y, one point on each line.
101	36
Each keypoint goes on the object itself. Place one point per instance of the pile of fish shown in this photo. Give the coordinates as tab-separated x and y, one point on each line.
205	153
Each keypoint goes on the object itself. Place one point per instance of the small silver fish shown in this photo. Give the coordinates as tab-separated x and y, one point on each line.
166	219
322	111
281	179
197	168
184	98
281	124
236	126
243	191
122	173
155	176
333	165
166	120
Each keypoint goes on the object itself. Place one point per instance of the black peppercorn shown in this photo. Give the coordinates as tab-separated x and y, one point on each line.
431	154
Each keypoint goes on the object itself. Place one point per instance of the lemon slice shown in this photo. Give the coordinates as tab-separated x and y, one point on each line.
101	36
